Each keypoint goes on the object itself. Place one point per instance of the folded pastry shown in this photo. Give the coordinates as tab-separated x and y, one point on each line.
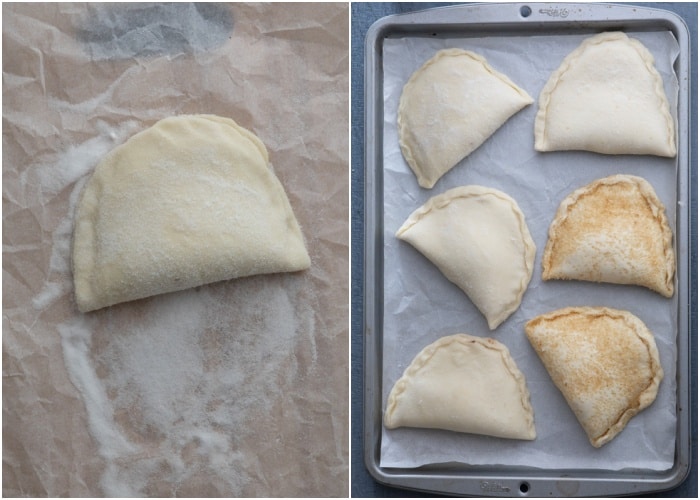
189	201
613	230
478	238
465	384
606	97
604	361
449	107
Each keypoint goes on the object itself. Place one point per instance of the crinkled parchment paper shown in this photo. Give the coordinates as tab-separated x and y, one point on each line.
233	389
421	305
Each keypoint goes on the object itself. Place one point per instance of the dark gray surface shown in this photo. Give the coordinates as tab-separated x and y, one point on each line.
363	16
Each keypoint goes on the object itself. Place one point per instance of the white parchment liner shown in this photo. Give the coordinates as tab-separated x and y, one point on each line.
233	389
420	305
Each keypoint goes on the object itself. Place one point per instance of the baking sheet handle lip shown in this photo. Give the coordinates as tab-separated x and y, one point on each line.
539	483
544	16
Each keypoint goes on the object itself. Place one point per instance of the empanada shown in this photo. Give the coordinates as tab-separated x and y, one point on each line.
465	384
189	201
478	238
613	230
604	361
449	107
606	97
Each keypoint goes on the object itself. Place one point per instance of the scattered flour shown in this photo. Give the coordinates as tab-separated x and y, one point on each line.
172	386
184	382
75	340
50	179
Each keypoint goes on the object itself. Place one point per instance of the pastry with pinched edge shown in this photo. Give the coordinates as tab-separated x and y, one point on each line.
604	361
466	384
613	230
478	238
189	201
449	107
608	97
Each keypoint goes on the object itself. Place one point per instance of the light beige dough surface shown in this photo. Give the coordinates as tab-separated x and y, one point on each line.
463	383
449	107
606	97
189	201
478	238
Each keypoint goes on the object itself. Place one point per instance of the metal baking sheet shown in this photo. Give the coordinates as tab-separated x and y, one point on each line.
494	21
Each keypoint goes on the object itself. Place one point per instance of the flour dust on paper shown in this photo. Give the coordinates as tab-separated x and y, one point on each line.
178	390
172	396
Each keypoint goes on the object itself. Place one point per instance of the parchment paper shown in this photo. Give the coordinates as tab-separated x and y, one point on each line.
233	389
421	305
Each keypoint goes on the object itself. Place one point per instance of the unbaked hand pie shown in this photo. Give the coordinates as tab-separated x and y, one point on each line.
604	361
463	383
606	97
449	107
191	200
478	238
613	230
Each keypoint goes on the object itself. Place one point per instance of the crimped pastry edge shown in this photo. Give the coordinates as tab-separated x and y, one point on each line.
658	211
406	150
424	356
473	190
637	326
648	59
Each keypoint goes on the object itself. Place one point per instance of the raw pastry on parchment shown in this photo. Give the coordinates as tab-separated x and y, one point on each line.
478	238
606	97
189	201
449	107
463	383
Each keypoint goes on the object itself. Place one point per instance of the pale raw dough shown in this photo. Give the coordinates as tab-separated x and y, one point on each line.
604	361
191	200
613	230
449	107
463	383
606	97
478	238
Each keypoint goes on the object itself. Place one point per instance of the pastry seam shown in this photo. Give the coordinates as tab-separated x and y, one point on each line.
472	191
649	393
657	209
424	356
454	52
646	57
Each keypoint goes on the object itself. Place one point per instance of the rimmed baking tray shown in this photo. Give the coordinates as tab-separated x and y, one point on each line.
521	20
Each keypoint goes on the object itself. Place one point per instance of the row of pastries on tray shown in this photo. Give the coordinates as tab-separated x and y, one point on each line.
606	97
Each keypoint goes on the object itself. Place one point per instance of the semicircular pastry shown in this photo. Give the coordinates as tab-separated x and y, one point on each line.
604	361
189	201
449	107
613	230
466	384
606	97
478	238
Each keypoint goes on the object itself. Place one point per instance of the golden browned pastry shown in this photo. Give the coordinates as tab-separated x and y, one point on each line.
613	230
604	361
463	383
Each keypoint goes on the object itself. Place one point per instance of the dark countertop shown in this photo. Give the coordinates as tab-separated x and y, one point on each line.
363	16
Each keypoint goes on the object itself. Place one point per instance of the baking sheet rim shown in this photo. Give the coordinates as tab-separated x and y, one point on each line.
420	477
